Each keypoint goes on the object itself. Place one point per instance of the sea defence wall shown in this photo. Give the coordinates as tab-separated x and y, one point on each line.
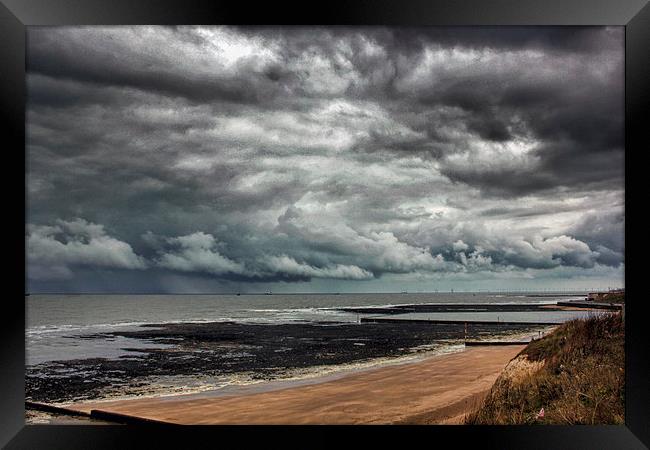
592	305
453	322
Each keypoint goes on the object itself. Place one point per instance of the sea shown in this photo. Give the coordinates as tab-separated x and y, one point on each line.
57	325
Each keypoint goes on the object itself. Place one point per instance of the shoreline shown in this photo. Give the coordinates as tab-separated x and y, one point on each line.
243	383
301	377
438	389
211	356
194	388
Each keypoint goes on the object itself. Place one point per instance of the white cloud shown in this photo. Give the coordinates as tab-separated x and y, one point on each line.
323	226
286	265
460	246
54	251
197	252
538	252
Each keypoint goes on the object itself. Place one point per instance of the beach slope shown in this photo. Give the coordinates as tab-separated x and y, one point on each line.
440	389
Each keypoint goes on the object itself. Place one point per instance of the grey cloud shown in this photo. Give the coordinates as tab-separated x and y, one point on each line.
380	252
605	232
54	251
284	264
548	253
198	252
280	154
141	58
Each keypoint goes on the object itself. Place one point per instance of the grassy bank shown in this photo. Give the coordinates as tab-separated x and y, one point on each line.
575	373
612	297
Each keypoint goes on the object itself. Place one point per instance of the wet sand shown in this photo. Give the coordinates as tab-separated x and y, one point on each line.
440	389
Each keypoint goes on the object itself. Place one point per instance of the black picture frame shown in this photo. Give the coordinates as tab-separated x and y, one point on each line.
15	15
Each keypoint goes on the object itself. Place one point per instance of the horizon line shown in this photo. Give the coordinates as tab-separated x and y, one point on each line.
486	291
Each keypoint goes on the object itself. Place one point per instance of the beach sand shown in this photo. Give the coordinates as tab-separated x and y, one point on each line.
569	308
440	389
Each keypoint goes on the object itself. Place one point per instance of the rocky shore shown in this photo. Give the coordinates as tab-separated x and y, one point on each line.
222	349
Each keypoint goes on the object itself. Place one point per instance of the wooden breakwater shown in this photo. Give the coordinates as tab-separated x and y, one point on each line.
55	409
98	414
126	419
452	322
446	307
592	305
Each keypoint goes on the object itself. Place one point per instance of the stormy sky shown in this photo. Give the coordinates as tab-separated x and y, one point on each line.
324	159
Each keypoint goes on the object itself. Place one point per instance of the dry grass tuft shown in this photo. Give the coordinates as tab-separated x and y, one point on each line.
575	373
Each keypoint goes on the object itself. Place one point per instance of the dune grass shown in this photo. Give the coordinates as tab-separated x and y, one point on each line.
580	379
613	297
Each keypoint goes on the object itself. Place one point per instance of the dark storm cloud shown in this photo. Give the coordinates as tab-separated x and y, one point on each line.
265	154
111	62
550	39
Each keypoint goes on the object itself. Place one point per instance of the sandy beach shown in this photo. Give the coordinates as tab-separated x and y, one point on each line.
437	390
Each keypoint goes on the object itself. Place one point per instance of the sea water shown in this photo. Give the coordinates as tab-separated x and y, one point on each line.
58	325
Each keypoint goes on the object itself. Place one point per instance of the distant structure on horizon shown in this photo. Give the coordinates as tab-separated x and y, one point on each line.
597	296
